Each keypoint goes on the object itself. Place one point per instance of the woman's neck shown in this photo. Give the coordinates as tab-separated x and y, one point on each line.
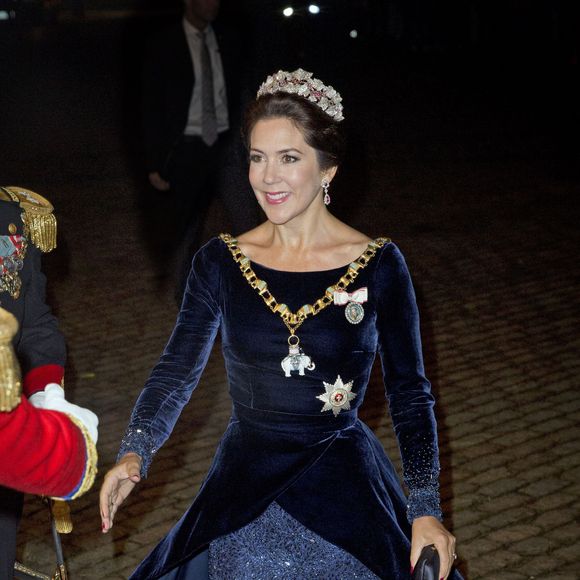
302	233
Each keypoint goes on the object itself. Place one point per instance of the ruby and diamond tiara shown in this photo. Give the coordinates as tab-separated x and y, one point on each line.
301	83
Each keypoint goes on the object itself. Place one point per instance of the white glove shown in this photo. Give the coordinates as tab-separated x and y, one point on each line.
52	399
37	400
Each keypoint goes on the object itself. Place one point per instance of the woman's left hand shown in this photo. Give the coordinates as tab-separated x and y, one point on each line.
429	530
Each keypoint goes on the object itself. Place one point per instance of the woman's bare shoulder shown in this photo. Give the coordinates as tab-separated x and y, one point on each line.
254	239
253	235
352	240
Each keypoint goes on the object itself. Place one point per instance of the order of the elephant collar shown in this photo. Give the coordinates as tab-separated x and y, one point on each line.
296	360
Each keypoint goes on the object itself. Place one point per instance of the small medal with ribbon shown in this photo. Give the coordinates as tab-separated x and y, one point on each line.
352	301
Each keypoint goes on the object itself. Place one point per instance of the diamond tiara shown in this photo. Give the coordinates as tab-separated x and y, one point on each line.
301	83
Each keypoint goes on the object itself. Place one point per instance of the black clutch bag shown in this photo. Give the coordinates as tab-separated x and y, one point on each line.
427	566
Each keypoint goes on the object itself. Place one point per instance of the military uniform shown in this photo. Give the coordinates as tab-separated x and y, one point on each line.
48	452
27	228
45	452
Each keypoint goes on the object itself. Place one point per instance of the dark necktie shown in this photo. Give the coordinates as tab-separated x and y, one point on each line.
209	132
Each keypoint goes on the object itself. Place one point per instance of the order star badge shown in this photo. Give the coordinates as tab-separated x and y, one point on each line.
337	396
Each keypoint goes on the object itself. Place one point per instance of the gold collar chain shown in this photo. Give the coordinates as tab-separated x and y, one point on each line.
293	320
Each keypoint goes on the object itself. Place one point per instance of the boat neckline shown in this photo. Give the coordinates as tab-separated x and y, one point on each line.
339	268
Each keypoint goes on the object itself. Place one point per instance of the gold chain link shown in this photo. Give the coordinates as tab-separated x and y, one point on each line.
293	320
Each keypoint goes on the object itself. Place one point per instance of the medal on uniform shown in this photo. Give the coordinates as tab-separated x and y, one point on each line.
12	253
352	301
336	396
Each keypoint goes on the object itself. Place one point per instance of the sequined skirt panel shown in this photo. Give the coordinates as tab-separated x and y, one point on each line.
275	546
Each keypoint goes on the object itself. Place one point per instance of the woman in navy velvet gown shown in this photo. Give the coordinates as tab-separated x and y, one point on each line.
299	487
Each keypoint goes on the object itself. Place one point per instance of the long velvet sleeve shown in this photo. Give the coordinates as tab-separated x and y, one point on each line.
45	452
175	376
408	391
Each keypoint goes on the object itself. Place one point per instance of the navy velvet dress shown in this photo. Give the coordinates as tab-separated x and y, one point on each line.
281	453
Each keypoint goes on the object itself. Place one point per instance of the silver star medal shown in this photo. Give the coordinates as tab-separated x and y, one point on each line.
337	396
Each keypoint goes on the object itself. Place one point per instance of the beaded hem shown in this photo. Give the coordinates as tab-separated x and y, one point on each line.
140	442
424	502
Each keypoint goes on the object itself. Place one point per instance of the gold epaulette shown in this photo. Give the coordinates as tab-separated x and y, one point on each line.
39	221
10	385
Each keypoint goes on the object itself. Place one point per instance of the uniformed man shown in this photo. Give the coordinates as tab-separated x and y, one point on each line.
27	228
48	447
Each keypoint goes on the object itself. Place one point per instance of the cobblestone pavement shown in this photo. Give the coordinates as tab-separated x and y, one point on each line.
491	238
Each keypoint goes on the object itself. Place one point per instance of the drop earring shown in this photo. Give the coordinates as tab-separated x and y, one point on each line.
325	186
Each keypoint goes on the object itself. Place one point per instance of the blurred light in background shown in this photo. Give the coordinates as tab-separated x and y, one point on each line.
288	11
4	15
314	9
353	33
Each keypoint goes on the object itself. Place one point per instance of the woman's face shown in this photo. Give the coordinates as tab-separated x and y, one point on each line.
284	170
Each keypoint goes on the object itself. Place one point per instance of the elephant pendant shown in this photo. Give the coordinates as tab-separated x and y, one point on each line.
296	361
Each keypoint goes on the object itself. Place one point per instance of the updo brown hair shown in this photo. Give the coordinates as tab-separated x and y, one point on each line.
319	130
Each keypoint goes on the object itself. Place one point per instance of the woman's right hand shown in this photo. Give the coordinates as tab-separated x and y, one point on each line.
118	484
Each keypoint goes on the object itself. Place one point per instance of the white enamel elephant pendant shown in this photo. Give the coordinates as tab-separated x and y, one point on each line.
296	361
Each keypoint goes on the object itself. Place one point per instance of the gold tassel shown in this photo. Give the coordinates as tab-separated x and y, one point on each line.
61	516
10	385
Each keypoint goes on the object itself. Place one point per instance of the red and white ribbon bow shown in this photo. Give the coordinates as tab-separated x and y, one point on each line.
342	297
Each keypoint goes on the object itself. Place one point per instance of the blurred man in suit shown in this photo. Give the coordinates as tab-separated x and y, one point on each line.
191	108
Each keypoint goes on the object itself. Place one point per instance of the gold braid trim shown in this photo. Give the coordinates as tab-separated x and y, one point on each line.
18	567
39	221
91	462
10	380
293	320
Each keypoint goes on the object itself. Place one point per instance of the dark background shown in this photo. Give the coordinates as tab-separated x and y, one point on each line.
475	79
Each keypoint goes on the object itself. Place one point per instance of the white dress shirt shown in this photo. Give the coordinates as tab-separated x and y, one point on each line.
192	34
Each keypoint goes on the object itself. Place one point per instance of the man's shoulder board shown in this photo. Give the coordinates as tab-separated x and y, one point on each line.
39	221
